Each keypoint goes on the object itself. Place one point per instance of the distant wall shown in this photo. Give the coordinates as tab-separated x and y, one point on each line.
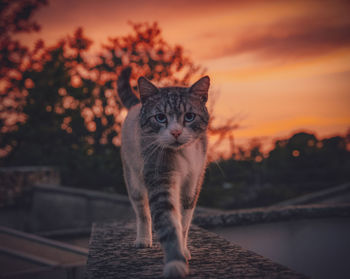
16	181
57	208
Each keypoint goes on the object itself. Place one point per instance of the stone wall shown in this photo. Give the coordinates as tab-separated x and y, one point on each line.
16	182
62	210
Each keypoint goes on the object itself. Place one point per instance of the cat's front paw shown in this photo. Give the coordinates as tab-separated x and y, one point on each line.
187	253
175	269
143	243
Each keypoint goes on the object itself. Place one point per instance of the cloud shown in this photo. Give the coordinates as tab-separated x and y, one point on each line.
298	38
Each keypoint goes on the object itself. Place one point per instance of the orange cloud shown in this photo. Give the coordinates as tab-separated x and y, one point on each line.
292	39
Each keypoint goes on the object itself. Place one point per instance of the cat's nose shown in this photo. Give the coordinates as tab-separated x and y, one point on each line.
176	133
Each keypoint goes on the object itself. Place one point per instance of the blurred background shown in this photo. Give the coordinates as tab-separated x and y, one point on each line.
279	102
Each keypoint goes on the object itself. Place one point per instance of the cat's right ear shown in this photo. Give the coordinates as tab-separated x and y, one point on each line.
146	89
200	88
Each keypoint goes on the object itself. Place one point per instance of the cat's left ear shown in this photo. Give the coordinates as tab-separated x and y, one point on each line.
146	89
200	88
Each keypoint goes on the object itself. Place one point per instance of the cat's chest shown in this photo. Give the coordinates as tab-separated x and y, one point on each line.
191	161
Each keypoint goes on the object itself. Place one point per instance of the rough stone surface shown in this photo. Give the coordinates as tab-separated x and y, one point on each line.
112	255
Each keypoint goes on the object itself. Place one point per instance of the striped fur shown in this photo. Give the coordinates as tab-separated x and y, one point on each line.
125	92
164	164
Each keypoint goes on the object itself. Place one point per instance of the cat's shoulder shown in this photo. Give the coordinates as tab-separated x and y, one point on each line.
133	113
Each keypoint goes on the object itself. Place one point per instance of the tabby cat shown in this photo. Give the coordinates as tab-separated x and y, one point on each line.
164	145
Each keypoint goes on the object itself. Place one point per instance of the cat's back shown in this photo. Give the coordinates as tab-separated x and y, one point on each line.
130	147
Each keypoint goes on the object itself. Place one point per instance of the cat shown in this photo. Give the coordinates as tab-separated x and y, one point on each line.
164	146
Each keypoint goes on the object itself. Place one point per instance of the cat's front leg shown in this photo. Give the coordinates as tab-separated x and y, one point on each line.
164	203
143	225
186	223
189	199
139	201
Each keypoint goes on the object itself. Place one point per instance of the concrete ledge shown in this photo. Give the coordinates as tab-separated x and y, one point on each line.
68	208
88	194
112	255
44	241
317	196
271	214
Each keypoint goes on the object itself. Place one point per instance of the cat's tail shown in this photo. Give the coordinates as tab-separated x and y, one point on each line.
125	92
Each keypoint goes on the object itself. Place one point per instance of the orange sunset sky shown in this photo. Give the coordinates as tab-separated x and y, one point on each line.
281	66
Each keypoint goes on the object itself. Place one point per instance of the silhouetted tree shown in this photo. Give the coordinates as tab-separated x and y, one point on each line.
71	115
15	17
295	166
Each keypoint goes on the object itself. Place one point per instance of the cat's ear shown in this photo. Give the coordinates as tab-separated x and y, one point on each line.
146	89
201	88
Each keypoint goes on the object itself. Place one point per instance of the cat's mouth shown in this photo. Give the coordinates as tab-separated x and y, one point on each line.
177	144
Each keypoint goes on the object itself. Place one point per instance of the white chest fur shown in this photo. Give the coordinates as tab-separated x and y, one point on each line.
191	163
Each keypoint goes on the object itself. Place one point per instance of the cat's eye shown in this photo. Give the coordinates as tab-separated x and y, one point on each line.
160	117
189	116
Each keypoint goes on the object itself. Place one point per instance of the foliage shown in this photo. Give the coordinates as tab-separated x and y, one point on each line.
62	109
295	166
15	18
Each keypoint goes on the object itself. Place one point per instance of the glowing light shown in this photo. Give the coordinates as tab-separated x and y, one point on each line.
319	144
116	141
62	91
258	159
28	83
91	126
296	153
311	143
76	81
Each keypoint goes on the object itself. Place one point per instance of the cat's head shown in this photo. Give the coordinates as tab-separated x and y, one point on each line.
173	117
